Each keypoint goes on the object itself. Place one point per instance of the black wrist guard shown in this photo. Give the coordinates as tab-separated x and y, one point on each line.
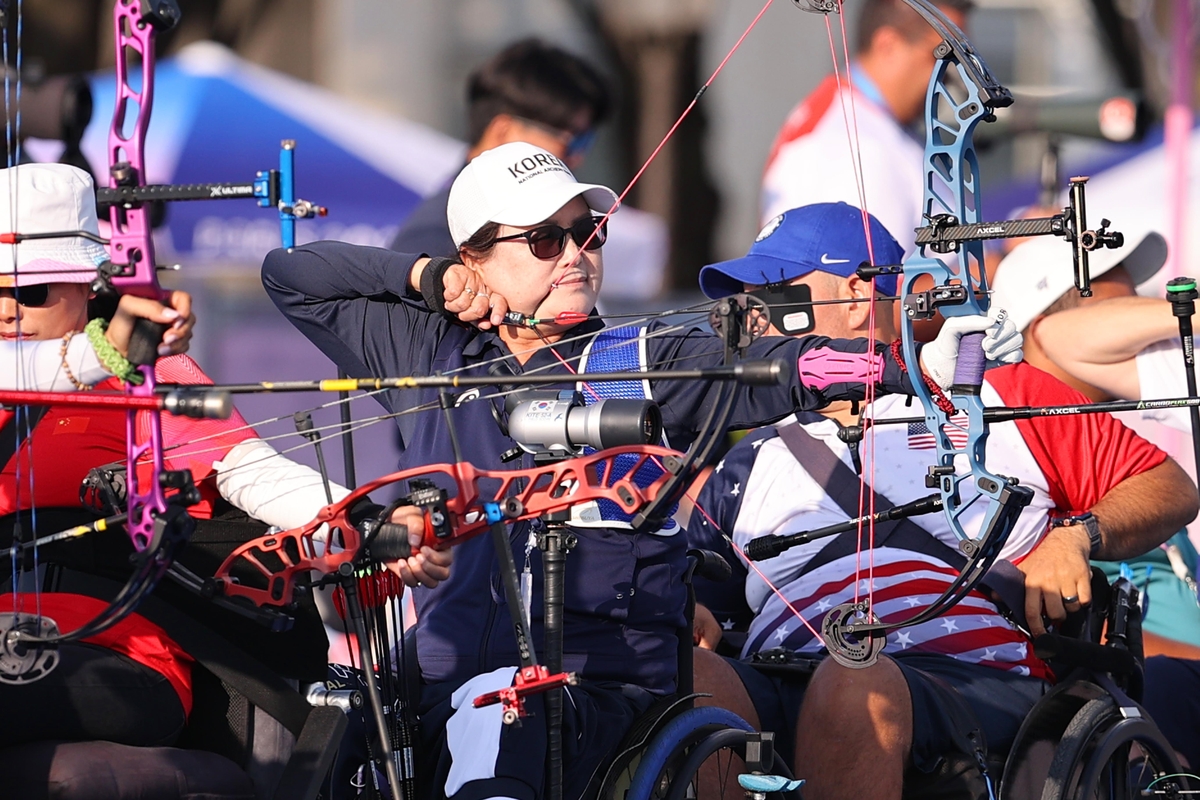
433	289
362	510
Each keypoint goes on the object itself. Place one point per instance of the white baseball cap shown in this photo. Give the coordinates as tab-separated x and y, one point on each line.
1037	273
516	184
48	198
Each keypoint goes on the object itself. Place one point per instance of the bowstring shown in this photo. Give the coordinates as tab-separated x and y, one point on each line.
23	430
749	563
663	143
9	153
866	497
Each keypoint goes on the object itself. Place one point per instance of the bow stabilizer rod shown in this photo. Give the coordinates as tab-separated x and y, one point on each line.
194	403
758	372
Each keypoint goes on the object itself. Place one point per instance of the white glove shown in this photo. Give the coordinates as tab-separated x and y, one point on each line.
1002	344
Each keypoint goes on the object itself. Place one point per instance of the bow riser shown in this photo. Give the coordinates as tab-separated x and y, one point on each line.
132	245
522	494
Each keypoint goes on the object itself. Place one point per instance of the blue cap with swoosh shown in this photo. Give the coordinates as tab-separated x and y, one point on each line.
826	237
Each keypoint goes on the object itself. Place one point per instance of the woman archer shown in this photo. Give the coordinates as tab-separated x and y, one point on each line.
132	683
530	240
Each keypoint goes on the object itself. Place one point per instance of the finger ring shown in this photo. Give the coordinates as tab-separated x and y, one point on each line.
1072	599
469	290
485	294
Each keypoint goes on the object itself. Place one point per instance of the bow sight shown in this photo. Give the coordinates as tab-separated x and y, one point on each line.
945	234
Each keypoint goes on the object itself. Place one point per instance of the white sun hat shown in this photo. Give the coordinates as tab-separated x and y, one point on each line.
516	184
1036	273
48	198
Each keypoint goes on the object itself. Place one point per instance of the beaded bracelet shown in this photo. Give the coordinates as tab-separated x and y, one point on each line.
109	357
62	352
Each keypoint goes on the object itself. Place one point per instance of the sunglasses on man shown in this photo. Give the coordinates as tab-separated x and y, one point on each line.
548	241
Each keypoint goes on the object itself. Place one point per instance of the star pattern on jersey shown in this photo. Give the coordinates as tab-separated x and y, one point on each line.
950	625
727	624
912	602
903	638
988	654
721	464
761	442
1021	650
824	604
783	631
736	490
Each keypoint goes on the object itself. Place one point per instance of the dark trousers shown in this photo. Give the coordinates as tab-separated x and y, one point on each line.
92	694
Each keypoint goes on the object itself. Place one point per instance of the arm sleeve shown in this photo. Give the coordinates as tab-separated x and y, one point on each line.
1062	445
354	303
271	487
685	404
38	365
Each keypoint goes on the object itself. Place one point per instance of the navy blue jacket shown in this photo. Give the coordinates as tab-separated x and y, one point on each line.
624	597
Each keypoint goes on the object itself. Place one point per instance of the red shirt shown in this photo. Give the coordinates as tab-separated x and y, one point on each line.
70	441
53	462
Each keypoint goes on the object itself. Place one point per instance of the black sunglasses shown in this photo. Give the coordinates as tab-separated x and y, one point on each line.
34	296
547	241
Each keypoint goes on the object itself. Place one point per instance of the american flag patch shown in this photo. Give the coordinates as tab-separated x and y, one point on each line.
920	438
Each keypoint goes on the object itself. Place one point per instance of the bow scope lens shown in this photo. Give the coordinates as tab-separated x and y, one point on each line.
555	423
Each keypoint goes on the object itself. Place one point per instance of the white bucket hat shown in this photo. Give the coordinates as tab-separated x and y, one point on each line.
48	198
1036	273
516	184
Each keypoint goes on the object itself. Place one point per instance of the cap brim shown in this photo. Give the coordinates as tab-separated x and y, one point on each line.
546	204
729	277
44	270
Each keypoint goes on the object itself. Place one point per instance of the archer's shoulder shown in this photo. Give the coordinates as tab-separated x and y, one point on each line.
180	369
1025	384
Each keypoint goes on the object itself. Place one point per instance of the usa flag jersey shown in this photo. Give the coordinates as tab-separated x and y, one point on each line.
759	489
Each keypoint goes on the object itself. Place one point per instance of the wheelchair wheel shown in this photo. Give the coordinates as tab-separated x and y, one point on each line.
669	766
1104	755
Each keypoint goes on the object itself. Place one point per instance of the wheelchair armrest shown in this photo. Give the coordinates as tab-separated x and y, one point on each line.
1079	653
709	565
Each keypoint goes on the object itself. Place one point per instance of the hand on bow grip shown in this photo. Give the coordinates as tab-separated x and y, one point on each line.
408	546
143	328
266	571
966	346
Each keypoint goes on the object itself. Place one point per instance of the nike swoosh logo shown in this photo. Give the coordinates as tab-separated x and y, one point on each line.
825	259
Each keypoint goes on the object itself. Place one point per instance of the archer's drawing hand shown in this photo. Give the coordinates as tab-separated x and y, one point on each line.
469	299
